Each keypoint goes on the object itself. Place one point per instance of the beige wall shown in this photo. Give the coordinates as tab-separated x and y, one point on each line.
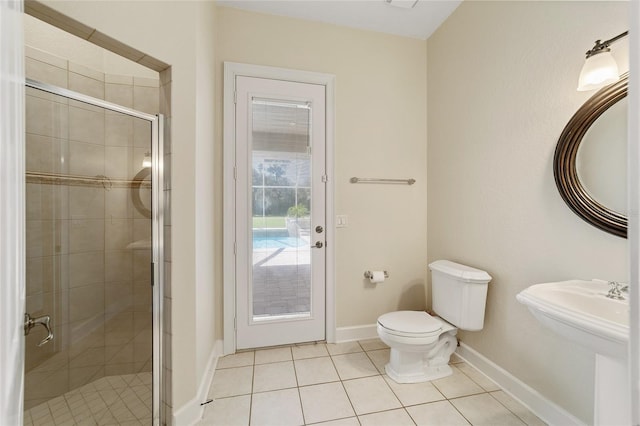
380	132
501	87
179	34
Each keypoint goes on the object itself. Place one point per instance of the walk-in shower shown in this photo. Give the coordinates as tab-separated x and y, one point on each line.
93	255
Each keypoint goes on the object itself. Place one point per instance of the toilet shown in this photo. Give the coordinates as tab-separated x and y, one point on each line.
421	344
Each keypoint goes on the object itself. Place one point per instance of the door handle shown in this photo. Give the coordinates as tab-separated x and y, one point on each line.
44	321
318	244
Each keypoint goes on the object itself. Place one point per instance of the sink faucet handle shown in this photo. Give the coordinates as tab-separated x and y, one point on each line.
615	291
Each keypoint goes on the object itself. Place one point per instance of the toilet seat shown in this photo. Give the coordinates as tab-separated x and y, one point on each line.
411	324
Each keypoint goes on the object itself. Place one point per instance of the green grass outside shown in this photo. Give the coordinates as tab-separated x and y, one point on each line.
269	222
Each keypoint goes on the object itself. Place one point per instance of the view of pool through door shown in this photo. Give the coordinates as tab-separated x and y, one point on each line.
280	212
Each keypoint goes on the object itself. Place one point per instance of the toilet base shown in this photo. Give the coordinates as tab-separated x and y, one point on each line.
428	374
409	365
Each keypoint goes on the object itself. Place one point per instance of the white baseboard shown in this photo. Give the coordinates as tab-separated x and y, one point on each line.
191	413
547	410
359	332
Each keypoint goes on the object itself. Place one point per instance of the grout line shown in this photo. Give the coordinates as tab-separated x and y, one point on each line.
508	409
345	390
253	375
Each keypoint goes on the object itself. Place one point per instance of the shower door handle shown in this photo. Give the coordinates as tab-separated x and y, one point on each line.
44	321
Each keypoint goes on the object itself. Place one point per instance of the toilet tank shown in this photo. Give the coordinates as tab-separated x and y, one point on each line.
459	294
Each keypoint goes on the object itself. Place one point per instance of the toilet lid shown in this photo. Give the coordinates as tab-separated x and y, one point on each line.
411	322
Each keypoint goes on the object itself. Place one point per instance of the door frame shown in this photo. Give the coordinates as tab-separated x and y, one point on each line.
231	71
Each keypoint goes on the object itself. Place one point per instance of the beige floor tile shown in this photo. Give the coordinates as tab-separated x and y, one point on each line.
241	359
484	410
351	421
372	344
440	413
232	411
518	409
312	371
276	408
309	351
478	377
231	382
266	356
414	393
344	348
352	366
457	385
394	417
370	394
380	358
325	402
274	376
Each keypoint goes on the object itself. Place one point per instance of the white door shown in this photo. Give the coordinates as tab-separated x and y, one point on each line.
280	212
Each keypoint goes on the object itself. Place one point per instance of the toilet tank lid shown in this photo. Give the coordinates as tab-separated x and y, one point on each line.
462	272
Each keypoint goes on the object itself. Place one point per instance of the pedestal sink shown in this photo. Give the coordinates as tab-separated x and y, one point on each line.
580	311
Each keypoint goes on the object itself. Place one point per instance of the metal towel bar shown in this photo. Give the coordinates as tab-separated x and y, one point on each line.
377	180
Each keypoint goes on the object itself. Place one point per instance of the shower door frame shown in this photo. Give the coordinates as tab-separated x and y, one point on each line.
157	222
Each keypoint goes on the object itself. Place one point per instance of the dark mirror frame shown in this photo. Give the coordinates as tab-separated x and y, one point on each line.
564	161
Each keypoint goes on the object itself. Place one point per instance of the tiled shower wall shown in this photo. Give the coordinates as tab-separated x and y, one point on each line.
81	269
165	109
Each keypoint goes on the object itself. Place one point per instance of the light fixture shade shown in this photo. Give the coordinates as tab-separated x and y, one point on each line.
598	71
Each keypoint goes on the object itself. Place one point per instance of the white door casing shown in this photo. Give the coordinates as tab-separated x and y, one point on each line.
12	217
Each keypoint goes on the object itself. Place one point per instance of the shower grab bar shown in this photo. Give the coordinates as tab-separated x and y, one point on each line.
378	180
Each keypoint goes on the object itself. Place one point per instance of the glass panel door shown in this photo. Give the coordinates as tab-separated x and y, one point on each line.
281	210
88	252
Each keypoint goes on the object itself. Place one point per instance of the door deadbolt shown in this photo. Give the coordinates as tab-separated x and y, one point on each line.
319	229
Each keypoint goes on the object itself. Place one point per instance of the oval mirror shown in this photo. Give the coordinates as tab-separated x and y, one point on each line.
590	160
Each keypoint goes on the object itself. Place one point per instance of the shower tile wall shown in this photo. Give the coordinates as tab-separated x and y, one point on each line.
165	109
80	267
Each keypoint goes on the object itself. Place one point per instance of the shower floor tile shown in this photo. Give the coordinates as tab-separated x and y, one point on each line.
111	400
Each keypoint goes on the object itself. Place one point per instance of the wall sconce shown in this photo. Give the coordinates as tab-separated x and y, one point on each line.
146	161
599	68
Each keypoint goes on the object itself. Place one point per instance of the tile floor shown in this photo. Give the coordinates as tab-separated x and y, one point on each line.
343	385
112	400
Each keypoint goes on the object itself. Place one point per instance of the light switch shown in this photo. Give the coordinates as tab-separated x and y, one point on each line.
342	221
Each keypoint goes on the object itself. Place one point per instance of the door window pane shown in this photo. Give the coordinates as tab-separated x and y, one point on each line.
281	209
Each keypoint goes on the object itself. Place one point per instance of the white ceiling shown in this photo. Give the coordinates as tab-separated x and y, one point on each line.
375	15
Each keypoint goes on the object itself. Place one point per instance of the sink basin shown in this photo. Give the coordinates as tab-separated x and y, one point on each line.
580	311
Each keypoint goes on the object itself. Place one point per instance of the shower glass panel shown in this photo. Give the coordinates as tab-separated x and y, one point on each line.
88	258
281	209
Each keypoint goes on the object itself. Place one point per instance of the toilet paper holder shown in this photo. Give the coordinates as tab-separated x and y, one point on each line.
368	275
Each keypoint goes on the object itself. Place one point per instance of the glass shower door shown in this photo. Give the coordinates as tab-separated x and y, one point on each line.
88	256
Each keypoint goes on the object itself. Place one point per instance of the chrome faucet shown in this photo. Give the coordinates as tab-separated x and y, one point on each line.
615	292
